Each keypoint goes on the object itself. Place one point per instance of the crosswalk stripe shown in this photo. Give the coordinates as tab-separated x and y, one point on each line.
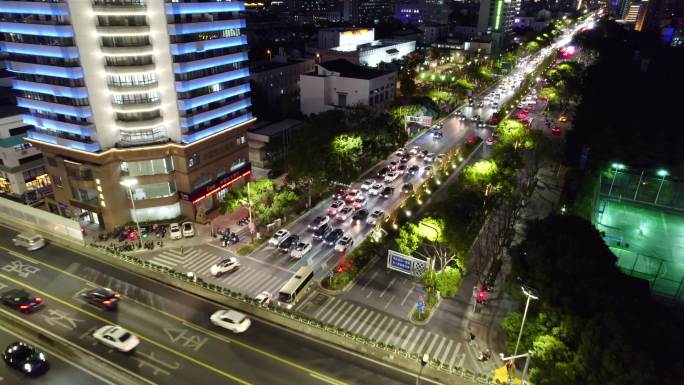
351	317
439	347
163	264
425	341
256	281
201	265
368	326
277	283
337	303
268	284
243	274
432	345
165	259
343	316
325	305
357	319
446	352
408	338
377	328
334	316
453	355
388	328
395	340
420	332
361	324
199	260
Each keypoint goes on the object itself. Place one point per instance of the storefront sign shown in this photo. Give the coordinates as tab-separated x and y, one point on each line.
216	185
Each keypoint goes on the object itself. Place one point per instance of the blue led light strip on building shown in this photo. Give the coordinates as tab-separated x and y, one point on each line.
40	50
189	8
191	138
181	68
56	125
37	29
208	26
34	8
43	88
213	114
207	45
189	85
186	104
79	112
41	69
88	147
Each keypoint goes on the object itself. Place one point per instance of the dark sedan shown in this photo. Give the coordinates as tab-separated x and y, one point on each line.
21	300
25	358
333	237
105	297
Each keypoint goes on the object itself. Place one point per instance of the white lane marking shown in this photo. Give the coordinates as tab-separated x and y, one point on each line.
378	328
369	280
357	319
388	328
323	379
368	327
388	286
420	332
337	303
389	302
446	352
342	317
351	317
395	341
325	305
407	295
453	355
257	261
333	316
408	337
432	345
369	293
361	324
425	341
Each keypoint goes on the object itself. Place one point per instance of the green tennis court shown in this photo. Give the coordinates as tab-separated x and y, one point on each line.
648	241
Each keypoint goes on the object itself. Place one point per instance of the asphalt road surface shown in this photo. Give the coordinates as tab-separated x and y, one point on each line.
179	344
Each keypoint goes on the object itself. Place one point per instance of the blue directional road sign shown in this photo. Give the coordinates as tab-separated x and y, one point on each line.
421	307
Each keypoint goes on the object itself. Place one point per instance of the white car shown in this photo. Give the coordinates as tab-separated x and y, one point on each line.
225	266
263	298
344	243
391	177
375	189
188	229
375	217
278	237
414	150
300	250
175	231
367	184
231	320
116	337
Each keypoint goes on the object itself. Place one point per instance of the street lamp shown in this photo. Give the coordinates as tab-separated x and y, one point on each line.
527	356
423	361
529	295
616	167
662	174
129	183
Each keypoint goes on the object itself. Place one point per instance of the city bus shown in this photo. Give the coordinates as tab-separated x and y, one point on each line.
296	287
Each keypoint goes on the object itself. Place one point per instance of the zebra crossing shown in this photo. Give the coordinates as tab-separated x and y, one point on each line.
389	330
246	280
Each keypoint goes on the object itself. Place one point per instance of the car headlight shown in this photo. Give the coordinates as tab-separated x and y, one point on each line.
28	367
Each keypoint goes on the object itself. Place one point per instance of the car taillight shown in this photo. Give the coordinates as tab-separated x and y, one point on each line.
39	300
106	302
24	307
117	295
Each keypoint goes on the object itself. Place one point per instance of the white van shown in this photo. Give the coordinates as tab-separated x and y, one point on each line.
29	241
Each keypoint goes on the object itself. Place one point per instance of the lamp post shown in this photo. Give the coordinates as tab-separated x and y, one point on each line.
268	52
529	295
662	174
423	361
638	184
527	356
616	167
129	183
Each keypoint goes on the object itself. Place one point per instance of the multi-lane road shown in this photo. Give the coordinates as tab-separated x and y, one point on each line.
179	344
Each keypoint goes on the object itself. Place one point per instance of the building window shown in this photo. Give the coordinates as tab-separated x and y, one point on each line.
342	100
237	164
204	179
240	140
148	167
57	181
154	190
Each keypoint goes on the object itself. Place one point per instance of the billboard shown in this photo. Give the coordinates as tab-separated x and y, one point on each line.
407	264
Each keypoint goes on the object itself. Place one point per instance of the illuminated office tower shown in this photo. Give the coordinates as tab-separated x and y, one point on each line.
151	93
496	19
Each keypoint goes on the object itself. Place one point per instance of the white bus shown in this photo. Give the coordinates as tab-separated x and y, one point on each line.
296	287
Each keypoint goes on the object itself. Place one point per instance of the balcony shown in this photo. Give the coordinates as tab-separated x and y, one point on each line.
202	134
192	8
46	70
124	31
37	29
140	106
207	45
127	51
122	7
34	8
129	70
189	85
140	124
130	138
133	89
205	26
192	120
70	52
63	142
76	111
56	125
186	104
196	65
50	89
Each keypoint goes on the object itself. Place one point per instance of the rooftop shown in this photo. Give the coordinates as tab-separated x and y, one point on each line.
270	129
269	65
11	141
348	69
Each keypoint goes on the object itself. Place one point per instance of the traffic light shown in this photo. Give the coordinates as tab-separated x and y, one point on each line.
481	296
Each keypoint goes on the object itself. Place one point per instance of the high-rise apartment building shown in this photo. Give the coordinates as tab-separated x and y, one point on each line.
146	91
496	19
